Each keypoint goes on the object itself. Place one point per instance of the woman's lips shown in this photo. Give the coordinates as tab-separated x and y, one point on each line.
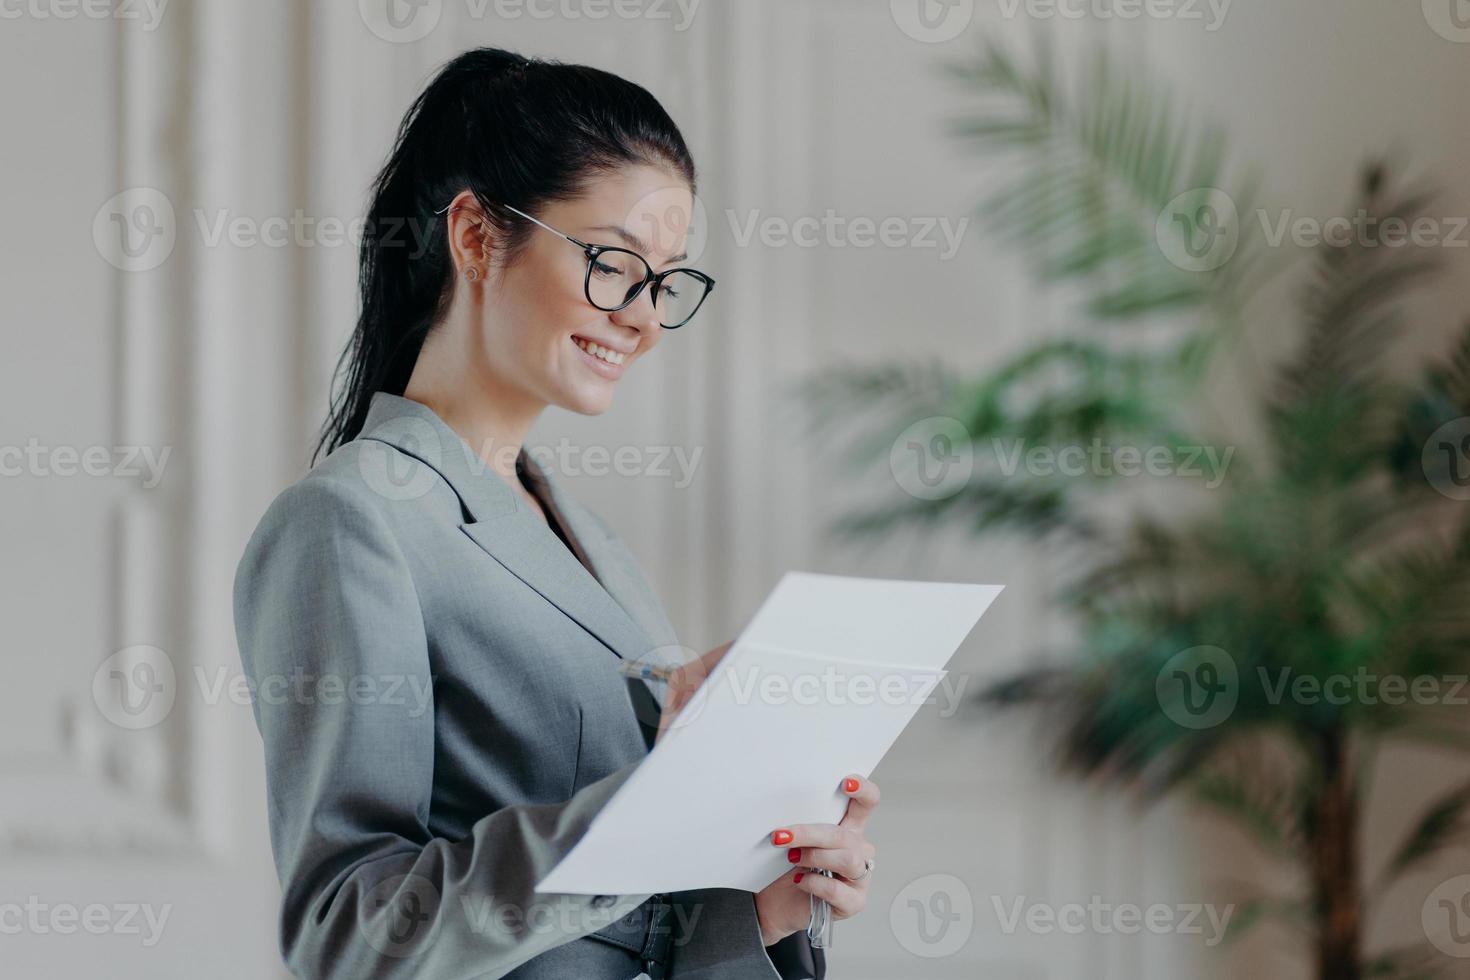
604	368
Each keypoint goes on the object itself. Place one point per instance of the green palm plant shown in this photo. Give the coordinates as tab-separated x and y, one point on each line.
1253	651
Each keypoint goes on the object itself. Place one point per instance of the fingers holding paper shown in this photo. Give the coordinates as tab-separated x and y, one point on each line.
832	848
783	907
863	796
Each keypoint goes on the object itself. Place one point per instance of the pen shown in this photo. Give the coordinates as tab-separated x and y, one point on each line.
819	929
647	672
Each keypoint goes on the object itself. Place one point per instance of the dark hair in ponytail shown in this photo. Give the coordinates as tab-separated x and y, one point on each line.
511	130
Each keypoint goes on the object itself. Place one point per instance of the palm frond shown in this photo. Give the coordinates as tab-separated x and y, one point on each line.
1096	168
1349	301
1446	823
1417	962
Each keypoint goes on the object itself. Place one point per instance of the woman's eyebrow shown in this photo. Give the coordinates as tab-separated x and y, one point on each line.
635	242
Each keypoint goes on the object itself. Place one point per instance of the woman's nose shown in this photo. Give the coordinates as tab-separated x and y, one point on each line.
641	315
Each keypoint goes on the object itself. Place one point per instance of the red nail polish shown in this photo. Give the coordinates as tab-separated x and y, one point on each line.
781	837
851	785
794	855
799	875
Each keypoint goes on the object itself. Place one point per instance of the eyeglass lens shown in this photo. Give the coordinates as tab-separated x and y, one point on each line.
616	275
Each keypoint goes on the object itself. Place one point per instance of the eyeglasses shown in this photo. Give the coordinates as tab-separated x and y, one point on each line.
616	277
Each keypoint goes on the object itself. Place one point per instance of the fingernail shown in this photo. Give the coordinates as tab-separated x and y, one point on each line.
794	855
799	875
781	837
851	785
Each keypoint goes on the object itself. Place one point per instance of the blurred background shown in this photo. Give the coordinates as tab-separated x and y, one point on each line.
1150	310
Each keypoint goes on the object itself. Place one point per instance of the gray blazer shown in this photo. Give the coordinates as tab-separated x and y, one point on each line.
433	681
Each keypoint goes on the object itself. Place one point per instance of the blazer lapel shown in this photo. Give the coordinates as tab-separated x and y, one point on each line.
502	524
611	562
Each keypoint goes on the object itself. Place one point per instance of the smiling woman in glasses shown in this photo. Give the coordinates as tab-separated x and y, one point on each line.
428	552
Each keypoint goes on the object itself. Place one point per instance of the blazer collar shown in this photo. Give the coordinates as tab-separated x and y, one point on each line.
502	524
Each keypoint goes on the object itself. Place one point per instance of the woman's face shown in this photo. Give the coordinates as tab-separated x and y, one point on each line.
537	323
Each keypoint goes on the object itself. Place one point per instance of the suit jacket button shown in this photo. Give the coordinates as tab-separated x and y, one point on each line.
603	901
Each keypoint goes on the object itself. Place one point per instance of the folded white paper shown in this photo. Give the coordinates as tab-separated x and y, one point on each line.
820	683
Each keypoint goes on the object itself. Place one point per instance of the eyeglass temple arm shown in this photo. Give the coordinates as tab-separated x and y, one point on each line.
544	225
528	218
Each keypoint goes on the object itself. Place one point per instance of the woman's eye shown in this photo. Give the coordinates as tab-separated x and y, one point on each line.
602	269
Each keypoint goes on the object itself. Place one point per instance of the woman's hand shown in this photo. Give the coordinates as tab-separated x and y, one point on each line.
682	684
784	906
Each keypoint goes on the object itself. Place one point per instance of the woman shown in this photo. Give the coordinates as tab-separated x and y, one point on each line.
432	624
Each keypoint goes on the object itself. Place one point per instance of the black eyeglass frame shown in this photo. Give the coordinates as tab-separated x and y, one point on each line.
649	276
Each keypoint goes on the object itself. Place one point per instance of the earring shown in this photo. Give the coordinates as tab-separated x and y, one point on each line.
472	273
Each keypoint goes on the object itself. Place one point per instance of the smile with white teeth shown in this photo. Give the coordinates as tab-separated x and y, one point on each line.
597	350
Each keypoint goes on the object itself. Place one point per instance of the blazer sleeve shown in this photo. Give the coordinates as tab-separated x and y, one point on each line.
328	622
795	959
718	936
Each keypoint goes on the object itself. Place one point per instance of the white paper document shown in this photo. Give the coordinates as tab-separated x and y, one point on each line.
820	683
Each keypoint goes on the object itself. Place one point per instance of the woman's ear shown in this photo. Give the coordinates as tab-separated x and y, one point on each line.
469	244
